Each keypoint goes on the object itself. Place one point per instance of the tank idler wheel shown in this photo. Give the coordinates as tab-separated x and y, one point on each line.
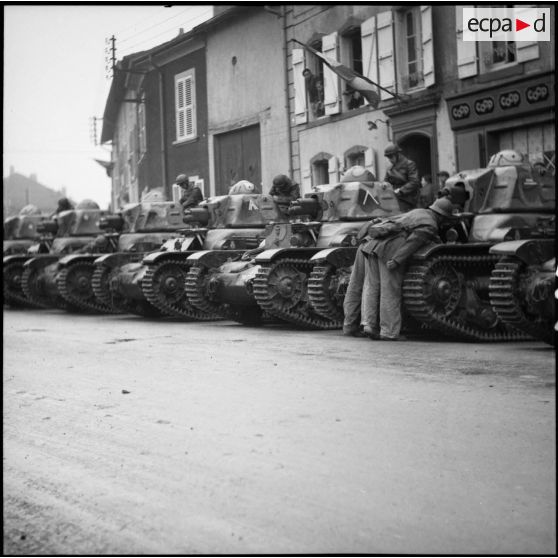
12	288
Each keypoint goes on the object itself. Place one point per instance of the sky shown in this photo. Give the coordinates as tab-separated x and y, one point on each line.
55	82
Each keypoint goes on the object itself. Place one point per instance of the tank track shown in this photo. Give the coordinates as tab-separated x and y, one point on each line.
505	298
12	285
417	304
79	296
300	313
33	292
195	292
175	303
321	292
101	290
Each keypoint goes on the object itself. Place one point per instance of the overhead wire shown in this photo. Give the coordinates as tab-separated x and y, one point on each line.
186	22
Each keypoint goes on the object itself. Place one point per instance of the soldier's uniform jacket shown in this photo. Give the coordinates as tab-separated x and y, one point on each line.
404	175
191	198
398	238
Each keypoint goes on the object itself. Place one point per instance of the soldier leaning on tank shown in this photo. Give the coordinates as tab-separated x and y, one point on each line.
403	176
284	191
456	193
192	194
374	292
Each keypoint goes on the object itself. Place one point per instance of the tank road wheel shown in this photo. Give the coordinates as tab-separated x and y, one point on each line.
12	288
75	287
100	283
327	286
164	286
509	284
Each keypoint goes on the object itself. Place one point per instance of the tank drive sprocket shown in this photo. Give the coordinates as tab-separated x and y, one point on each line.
12	285
198	291
100	282
280	288
164	287
508	302
74	285
327	286
434	292
31	286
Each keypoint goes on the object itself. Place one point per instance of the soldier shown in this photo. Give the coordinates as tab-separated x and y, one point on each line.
403	176
374	288
284	191
192	194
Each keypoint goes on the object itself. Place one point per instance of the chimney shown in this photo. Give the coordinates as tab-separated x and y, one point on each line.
33	177
181	31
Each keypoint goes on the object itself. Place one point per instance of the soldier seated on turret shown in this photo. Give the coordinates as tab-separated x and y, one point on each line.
284	191
192	195
403	176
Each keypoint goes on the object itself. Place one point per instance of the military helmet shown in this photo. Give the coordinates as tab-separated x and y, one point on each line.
181	178
506	158
282	180
443	206
87	204
30	209
358	174
392	149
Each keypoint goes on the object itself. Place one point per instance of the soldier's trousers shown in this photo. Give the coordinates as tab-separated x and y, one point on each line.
354	295
381	305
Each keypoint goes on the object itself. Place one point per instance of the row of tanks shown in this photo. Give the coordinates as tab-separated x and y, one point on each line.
245	257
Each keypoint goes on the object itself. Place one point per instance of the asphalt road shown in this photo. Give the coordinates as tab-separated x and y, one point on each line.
129	436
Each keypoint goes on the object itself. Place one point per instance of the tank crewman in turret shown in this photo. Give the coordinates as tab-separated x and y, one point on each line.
64	204
374	291
284	191
192	195
403	176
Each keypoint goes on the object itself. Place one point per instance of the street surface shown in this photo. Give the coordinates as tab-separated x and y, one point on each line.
124	435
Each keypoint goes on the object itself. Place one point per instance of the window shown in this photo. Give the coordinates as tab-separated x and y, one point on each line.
185	105
314	83
410	50
142	140
497	54
352	56
320	174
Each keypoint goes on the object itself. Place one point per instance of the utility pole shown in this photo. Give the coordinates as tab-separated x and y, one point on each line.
110	57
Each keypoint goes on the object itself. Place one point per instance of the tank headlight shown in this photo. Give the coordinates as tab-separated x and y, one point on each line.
452	235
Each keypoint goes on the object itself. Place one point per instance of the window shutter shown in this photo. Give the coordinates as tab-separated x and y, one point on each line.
333	169
525	50
306	181
332	97
386	69
301	112
427	45
185	106
369	50
466	50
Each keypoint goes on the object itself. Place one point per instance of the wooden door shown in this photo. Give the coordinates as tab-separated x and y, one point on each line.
238	157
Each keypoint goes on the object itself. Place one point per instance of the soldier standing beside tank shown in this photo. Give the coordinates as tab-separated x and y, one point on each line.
386	247
192	195
403	176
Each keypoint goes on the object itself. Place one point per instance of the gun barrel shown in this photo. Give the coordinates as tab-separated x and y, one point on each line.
196	215
47	227
115	222
305	206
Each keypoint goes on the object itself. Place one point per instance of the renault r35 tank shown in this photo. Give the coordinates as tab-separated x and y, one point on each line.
137	229
232	223
276	279
447	286
20	231
74	228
